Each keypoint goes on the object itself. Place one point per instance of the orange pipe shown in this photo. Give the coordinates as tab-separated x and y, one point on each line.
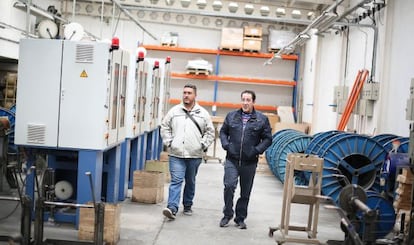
352	100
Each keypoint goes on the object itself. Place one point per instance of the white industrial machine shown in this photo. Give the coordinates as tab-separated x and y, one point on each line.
71	94
153	106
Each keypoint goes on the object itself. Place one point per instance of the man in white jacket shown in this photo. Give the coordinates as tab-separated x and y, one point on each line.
187	131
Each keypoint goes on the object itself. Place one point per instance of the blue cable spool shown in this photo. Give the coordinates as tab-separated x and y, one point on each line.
358	158
294	145
274	138
383	138
318	140
403	147
386	213
11	115
277	138
284	142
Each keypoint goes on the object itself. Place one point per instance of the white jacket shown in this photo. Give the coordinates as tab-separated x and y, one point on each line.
182	136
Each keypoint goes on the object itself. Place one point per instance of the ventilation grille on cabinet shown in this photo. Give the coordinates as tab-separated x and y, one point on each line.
36	134
84	53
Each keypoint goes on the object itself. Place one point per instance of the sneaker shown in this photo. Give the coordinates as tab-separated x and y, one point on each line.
188	211
240	224
168	213
224	222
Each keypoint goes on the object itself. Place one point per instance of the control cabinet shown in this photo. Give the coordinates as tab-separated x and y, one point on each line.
70	94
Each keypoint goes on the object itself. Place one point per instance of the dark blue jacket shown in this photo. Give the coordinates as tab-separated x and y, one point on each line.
244	146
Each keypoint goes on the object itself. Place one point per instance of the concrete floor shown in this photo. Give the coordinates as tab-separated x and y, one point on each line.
145	224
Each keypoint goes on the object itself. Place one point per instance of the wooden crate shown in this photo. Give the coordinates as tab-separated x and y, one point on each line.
111	224
252	32
252	44
232	39
159	166
148	187
148	195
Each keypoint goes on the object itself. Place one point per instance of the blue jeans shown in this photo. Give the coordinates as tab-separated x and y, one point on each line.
180	169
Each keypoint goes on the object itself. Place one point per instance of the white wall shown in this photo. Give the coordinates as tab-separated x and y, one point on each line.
394	70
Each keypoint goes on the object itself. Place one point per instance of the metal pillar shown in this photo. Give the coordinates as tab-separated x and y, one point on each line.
89	161
126	156
112	167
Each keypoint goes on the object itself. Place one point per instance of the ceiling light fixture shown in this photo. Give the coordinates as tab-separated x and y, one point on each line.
185	3
248	8
201	4
296	14
264	10
217	5
280	12
233	7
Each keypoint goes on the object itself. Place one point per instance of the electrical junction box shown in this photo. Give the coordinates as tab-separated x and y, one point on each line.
365	107
410	103
370	91
340	95
71	98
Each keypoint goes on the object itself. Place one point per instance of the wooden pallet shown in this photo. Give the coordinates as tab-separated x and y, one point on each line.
273	50
252	51
169	44
253	36
231	49
198	71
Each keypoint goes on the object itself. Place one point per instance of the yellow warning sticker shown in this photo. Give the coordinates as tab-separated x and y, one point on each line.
84	74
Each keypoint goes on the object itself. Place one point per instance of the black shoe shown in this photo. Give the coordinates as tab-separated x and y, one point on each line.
168	213
224	221
188	211
240	224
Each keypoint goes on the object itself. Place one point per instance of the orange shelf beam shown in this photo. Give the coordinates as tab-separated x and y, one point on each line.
215	52
227	105
233	79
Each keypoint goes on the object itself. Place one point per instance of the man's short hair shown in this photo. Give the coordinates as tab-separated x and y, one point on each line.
249	92
189	85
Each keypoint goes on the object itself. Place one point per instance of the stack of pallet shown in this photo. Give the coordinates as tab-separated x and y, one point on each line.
403	199
232	39
169	39
252	39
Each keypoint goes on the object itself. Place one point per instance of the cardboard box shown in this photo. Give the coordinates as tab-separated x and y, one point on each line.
253	44
148	179
255	32
232	38
112	222
148	187
159	166
273	119
148	195
279	38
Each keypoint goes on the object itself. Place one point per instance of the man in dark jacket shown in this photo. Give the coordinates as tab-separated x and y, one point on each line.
245	134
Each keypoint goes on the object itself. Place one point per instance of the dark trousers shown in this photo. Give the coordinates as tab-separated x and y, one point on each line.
232	173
